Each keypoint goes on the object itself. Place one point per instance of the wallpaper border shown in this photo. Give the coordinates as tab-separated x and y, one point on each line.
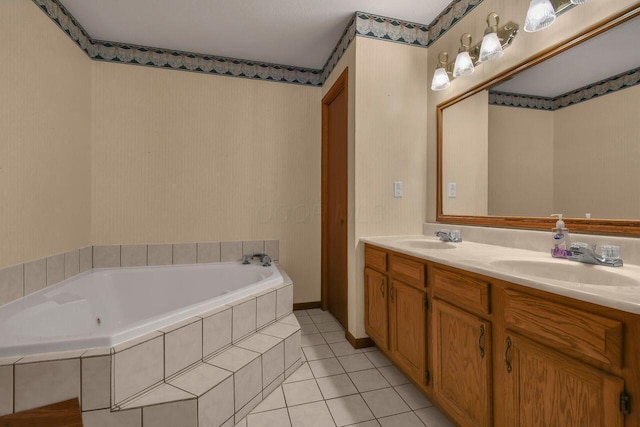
361	24
603	87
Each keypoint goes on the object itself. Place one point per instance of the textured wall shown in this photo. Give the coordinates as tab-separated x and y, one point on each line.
465	156
390	134
45	163
597	140
181	157
521	161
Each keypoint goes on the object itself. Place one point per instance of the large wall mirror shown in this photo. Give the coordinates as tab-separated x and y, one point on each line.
559	133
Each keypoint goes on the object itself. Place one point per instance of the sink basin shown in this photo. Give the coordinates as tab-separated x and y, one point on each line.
567	271
427	244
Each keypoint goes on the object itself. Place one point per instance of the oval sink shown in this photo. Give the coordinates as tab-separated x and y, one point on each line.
427	244
573	272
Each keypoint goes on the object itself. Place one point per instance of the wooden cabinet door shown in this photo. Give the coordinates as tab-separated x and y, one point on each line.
462	364
545	388
408	329
376	321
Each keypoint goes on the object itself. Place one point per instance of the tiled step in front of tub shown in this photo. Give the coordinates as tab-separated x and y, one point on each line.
221	390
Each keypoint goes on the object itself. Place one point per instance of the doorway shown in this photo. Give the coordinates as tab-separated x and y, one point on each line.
334	199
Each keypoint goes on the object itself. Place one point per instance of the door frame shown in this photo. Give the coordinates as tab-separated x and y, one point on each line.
341	84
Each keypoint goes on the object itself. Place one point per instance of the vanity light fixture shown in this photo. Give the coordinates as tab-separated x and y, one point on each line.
540	15
441	77
470	56
464	63
580	1
491	47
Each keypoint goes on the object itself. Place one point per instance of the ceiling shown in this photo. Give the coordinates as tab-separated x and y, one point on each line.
299	33
604	56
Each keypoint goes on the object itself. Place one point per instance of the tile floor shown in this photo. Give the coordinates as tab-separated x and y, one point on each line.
339	386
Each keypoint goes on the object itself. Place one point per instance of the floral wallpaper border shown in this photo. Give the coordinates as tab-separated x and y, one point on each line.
612	84
361	24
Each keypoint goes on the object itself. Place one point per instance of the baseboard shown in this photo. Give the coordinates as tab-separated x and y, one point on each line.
306	305
358	342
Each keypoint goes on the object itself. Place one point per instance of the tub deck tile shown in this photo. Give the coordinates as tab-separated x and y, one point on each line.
163	393
46	357
280	330
201	379
134	342
233	359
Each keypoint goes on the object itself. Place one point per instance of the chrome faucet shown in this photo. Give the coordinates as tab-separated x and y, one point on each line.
581	252
449	235
264	259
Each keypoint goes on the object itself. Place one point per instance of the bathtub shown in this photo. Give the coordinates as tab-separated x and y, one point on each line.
108	306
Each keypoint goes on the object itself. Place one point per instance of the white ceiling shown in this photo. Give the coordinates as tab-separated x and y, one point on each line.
604	56
301	33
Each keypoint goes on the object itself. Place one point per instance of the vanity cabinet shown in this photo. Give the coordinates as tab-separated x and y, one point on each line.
395	309
407	324
462	351
546	388
375	307
492	353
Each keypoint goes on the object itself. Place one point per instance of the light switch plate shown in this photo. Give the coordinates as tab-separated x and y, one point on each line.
452	190
397	189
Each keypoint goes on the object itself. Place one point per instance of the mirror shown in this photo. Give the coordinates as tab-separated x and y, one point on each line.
558	134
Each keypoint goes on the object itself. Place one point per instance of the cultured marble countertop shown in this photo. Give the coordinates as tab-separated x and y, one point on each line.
618	287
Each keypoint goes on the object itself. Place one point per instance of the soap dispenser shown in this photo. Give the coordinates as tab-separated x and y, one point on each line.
560	239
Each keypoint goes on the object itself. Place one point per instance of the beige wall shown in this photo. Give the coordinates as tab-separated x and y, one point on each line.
390	131
597	157
45	146
524	46
521	161
185	157
465	156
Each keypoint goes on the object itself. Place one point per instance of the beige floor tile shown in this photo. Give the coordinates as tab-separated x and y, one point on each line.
349	410
414	398
311	415
301	374
336	386
274	401
408	419
385	402
274	418
316	352
343	348
326	367
393	375
329	326
312	339
368	380
355	362
432	417
334	337
301	392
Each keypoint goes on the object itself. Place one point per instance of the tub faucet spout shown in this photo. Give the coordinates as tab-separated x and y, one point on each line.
264	259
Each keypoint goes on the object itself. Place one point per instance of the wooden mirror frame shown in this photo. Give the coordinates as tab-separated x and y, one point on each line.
602	226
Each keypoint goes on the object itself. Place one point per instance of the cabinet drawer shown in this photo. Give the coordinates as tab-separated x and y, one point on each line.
408	270
573	330
375	258
459	289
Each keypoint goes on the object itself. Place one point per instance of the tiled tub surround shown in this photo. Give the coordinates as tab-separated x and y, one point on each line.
20	280
208	370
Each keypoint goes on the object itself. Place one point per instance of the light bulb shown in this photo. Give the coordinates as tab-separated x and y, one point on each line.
440	79
540	15
491	48
463	66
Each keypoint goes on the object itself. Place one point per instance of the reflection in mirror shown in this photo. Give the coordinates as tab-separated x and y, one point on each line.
562	136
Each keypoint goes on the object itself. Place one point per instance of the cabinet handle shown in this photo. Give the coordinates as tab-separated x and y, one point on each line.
382	288
391	293
506	354
481	341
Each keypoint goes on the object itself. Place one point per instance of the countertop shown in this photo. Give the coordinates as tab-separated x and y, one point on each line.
622	292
